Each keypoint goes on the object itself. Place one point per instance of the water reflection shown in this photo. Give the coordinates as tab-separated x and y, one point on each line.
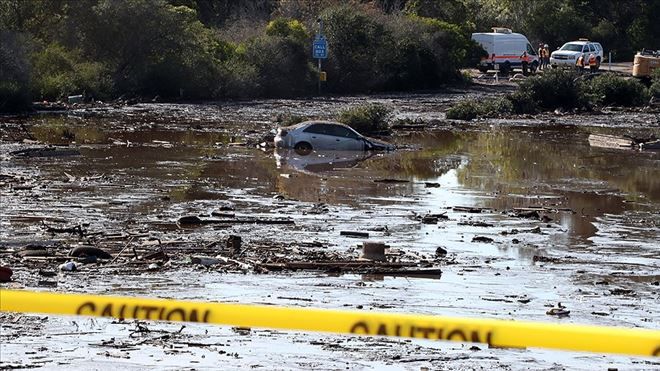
318	161
522	167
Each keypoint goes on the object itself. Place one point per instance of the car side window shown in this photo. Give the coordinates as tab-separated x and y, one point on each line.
343	132
315	129
592	48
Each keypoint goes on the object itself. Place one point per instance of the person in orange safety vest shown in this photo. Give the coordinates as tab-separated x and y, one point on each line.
525	62
593	63
579	65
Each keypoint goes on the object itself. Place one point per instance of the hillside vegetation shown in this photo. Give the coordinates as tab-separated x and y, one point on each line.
204	49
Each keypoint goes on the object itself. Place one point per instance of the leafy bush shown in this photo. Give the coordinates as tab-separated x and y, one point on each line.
553	89
609	89
522	101
272	66
292	28
464	110
654	89
60	72
366	119
472	108
284	119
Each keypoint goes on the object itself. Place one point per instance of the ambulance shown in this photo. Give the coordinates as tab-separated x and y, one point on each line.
505	49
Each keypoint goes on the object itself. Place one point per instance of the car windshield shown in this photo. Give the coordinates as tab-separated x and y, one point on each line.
572	47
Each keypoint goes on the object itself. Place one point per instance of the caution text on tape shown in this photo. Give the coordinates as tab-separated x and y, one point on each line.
498	333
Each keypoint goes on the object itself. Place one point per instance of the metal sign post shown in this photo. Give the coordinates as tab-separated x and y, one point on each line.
320	51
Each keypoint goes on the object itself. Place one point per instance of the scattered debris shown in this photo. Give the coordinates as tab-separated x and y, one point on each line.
482	239
612	141
434	218
559	311
373	251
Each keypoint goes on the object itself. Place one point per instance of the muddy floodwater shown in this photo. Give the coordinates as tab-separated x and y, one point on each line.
530	215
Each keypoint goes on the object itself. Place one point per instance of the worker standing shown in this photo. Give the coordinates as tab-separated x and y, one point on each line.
579	65
546	56
524	58
593	63
540	54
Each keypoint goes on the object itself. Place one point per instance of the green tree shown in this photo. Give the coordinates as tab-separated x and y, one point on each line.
14	72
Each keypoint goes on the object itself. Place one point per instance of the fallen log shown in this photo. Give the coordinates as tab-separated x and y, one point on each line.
195	220
469	209
354	234
334	265
45	152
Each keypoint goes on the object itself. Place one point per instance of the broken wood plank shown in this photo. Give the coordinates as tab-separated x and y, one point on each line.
194	220
610	141
354	234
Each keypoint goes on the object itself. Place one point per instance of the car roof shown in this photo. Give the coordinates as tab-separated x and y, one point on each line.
310	122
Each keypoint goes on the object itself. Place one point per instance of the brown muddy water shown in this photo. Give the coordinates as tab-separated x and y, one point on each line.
141	168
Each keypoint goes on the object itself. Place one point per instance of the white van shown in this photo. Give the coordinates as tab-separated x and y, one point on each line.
505	49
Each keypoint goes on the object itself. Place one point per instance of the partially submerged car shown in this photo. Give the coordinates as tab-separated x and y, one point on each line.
326	135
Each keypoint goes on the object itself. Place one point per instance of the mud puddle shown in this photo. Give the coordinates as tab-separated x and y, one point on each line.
529	216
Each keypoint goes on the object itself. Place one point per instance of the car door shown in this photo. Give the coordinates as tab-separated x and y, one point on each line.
320	137
346	139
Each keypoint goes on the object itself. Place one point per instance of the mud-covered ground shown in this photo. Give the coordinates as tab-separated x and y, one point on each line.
555	220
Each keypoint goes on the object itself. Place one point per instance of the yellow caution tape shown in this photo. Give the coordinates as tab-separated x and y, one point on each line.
496	333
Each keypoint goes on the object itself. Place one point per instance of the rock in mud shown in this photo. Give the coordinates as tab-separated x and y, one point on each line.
206	260
441	252
559	311
190	220
68	266
528	214
5	274
87	251
482	239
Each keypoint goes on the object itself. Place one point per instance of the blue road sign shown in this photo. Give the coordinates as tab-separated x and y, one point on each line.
320	49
